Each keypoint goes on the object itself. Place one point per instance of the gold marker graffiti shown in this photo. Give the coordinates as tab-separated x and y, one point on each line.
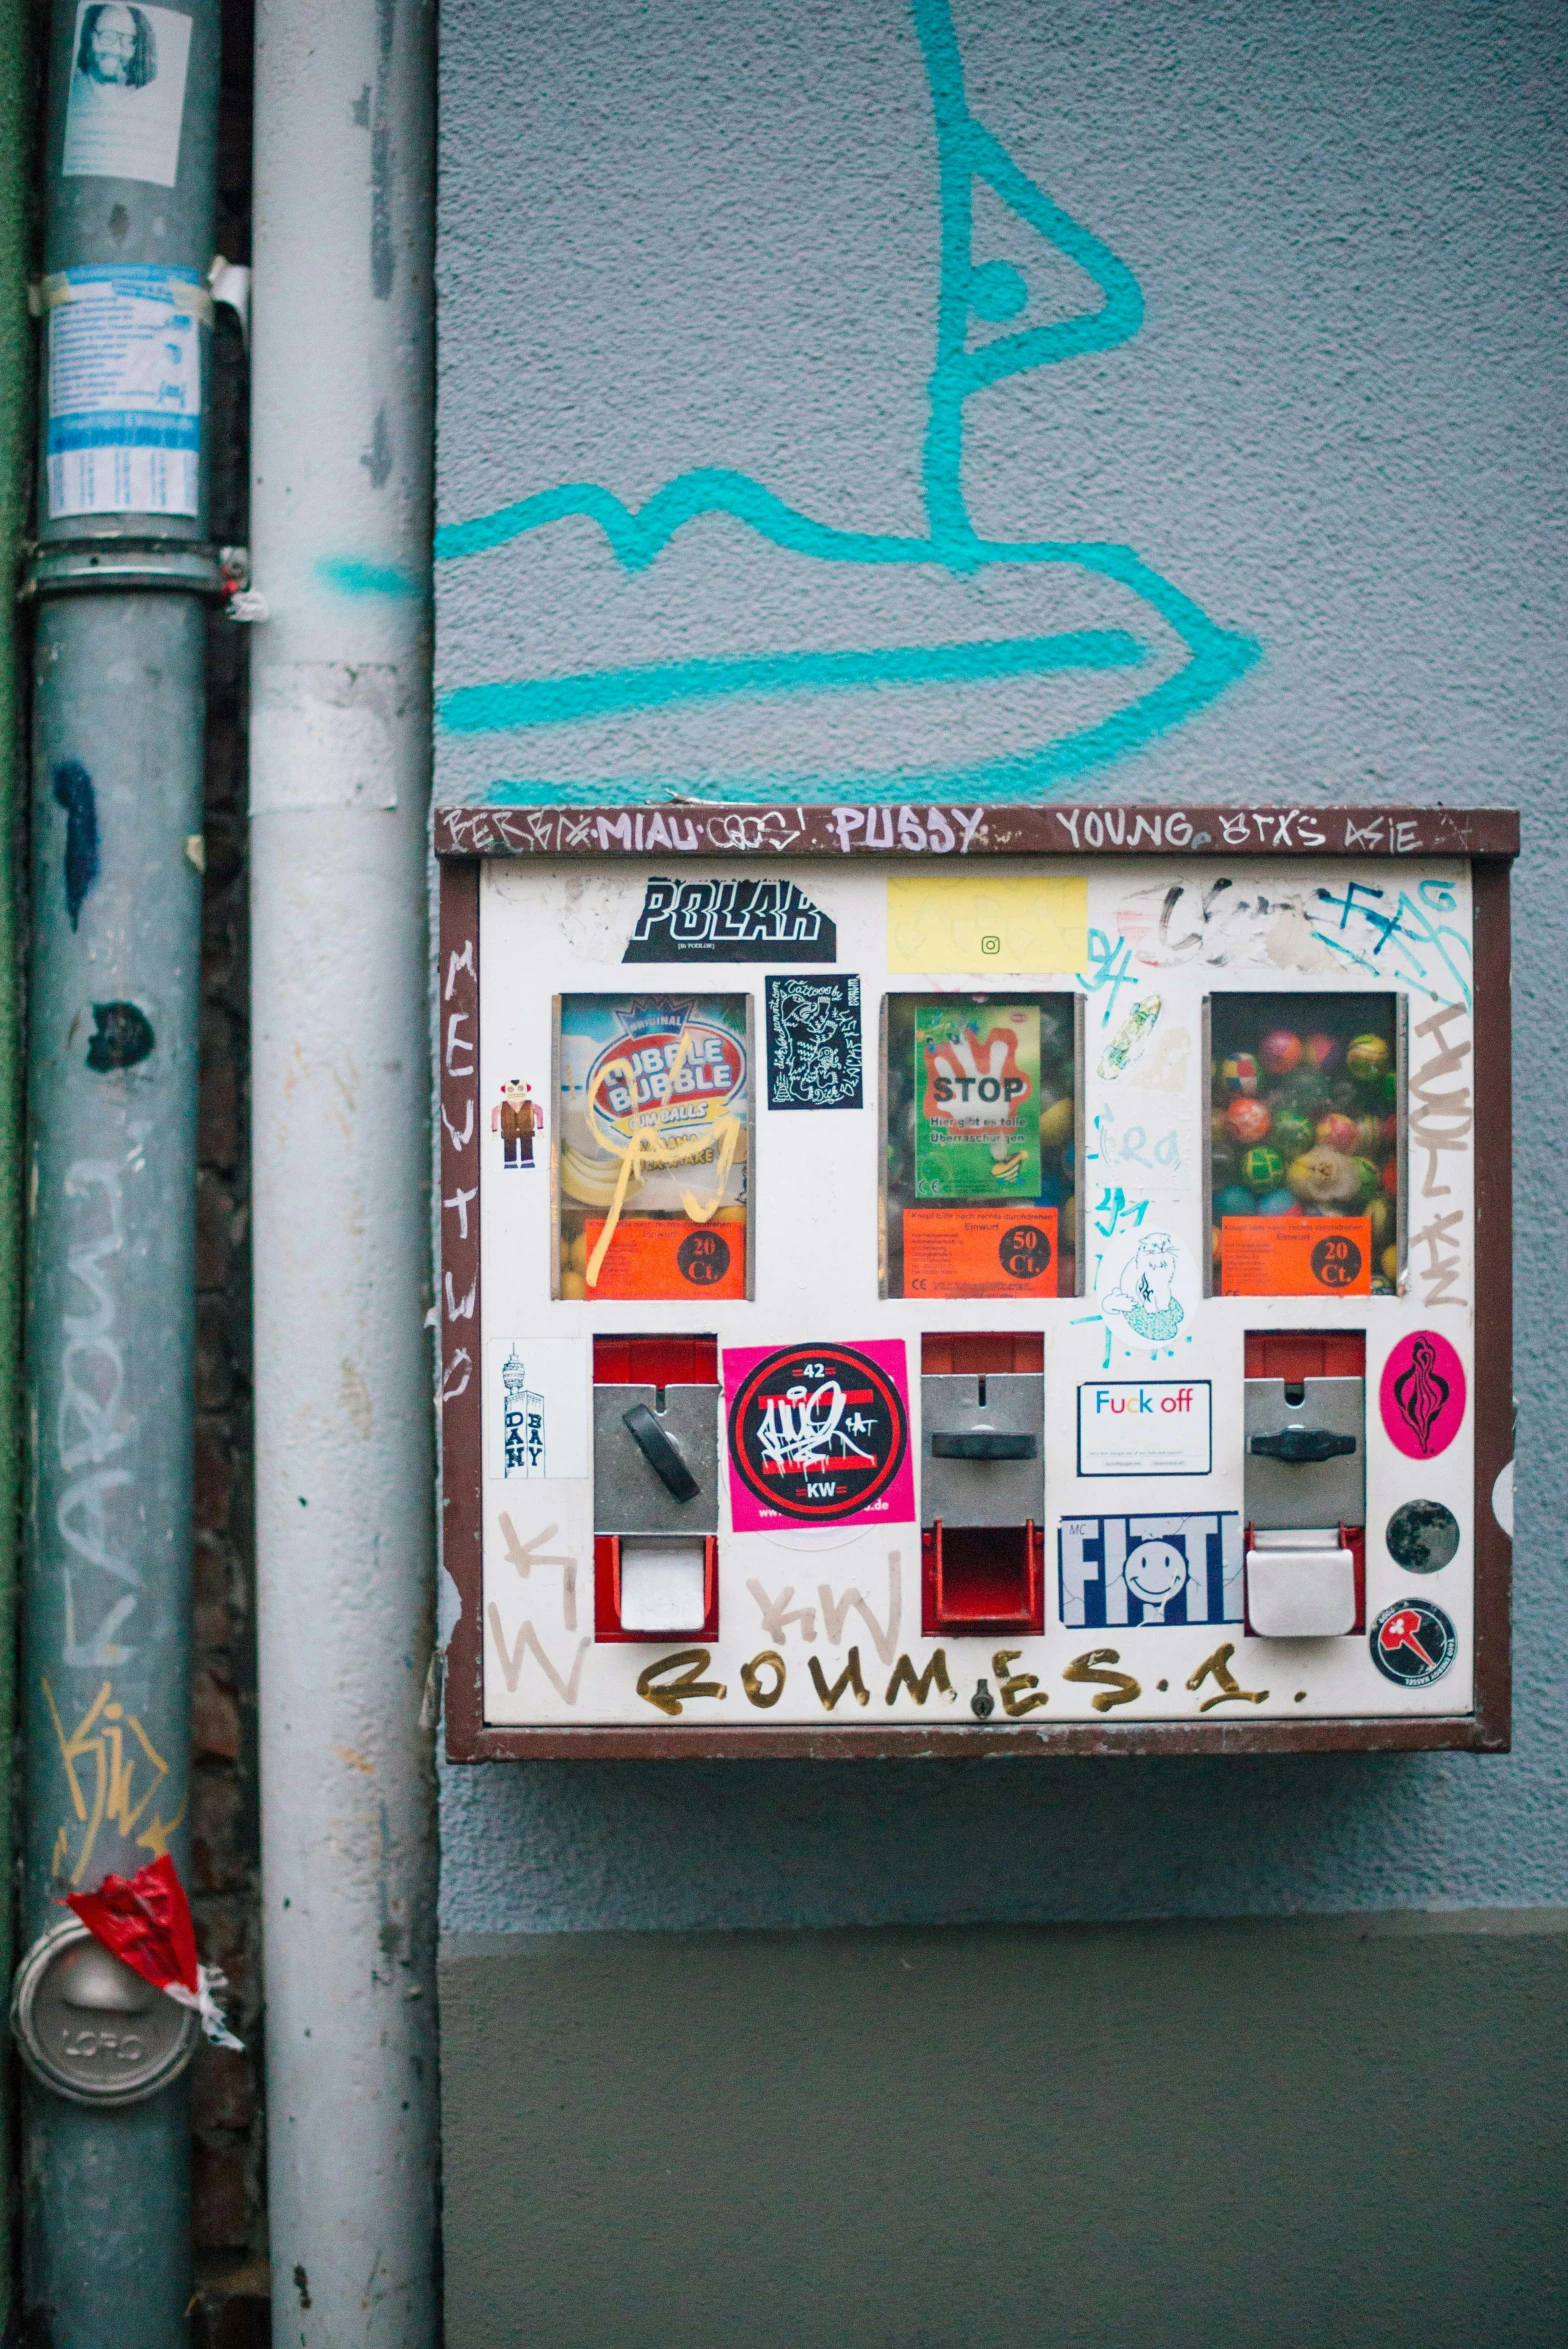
1011	1686
100	1734
1228	1689
1119	1688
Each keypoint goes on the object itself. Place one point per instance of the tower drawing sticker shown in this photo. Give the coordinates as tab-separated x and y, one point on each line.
1050	655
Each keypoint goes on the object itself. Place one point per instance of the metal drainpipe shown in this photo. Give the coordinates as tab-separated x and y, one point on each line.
118	723
15	422
340	754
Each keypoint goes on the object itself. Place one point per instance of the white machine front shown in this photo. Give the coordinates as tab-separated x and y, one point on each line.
1031	1294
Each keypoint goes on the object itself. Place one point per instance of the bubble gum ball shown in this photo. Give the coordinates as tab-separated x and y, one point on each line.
1278	1203
1056	1123
1248	1120
1322	1051
1291	1133
1280	1051
1380	1214
1388	1264
1367	1056
1336	1131
1391	1178
1263	1168
1236	1201
1240	1075
1367	1177
1369	1137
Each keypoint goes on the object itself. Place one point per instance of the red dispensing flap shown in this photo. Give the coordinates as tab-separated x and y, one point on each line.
145	1920
1295	1354
655	1362
980	1353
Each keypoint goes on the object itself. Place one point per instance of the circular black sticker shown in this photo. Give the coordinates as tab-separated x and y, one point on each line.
1025	1251
703	1258
1336	1262
1422	1536
1413	1642
818	1432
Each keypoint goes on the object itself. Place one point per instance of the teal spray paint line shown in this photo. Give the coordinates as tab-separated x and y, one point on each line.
992	291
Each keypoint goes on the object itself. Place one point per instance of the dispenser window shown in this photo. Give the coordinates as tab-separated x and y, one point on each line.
651	1147
1306	1145
979	1145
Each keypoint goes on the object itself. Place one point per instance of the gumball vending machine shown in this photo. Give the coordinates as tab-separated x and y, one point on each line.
949	1279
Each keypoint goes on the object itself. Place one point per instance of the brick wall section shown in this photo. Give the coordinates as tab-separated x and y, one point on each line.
229	2157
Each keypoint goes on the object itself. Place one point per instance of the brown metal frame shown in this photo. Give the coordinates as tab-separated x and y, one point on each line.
1489	837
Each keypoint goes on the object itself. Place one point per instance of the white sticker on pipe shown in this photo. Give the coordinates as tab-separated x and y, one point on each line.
127	94
324	734
124	391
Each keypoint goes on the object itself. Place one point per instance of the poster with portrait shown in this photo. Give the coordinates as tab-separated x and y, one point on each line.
127	95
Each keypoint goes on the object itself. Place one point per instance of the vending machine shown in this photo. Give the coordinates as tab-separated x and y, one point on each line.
942	1279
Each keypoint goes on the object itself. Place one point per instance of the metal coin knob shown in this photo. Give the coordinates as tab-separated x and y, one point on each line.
90	2028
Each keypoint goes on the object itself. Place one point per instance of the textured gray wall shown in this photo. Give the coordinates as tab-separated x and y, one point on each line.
681	233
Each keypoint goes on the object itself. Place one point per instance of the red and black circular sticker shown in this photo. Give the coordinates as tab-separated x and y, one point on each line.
818	1432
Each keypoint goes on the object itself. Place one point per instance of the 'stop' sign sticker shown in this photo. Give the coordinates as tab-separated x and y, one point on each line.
744	920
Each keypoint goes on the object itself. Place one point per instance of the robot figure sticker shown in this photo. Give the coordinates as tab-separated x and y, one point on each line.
818	1435
977	1101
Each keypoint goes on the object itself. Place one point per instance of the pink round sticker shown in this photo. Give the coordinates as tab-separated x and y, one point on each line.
1423	1395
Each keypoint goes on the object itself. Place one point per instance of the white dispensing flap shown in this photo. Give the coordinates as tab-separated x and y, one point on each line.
1300	1585
663	1584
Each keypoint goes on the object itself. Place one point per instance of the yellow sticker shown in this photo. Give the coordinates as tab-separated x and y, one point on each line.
1011	922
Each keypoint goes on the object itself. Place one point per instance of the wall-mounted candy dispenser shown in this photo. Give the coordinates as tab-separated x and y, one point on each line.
1041	1284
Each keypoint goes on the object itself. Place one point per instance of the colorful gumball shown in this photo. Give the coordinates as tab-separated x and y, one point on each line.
1369	1137
1279	1203
1337	1132
1307	1091
1367	1178
1322	1051
1239	1075
1388	1264
1391	1178
1235	1201
1291	1133
1262	1169
1280	1051
1388	1131
1367	1056
1248	1120
1380	1215
1056	1123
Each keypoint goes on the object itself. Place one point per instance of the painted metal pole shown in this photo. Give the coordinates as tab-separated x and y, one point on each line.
15	440
115	963
340	536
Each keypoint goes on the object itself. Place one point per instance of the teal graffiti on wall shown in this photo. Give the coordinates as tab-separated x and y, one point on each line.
994	292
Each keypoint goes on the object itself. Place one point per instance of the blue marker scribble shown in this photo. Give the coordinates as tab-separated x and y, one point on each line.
991	291
73	790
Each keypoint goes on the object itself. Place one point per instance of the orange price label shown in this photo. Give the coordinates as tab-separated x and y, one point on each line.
980	1251
665	1256
1296	1256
